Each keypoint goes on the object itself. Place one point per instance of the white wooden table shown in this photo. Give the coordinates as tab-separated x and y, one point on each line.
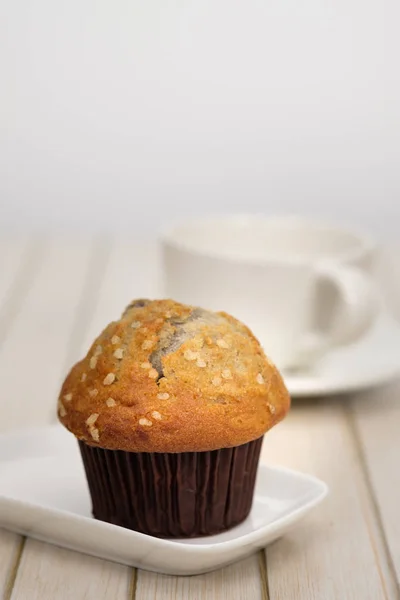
55	296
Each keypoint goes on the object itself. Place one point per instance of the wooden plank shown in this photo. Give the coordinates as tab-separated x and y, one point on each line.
337	552
32	358
240	581
49	572
13	256
376	419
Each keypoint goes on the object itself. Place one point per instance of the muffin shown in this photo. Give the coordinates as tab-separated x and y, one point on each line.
170	407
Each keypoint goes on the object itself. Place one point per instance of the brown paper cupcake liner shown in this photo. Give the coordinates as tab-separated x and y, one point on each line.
187	494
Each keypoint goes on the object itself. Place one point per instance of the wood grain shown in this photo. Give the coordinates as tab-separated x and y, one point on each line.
49	572
376	419
337	551
240	581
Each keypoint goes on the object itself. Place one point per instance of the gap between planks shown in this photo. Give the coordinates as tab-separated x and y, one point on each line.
14	569
133	584
262	564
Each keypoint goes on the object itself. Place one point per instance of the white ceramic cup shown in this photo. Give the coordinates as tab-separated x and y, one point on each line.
303	287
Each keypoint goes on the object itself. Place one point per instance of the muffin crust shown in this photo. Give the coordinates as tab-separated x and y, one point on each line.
168	377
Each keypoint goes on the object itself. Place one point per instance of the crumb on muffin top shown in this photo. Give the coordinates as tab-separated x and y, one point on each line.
167	377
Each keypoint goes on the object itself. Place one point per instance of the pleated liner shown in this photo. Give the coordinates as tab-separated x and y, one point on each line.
172	495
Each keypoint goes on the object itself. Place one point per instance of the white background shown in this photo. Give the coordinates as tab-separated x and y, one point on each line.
123	114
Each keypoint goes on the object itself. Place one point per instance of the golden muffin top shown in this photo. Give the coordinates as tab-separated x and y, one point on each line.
167	377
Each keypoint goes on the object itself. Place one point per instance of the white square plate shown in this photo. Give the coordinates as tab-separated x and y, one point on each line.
43	494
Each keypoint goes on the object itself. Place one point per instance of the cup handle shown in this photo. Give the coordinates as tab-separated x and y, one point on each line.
354	312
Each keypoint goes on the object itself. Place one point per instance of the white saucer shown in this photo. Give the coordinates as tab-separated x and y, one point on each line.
43	494
372	361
